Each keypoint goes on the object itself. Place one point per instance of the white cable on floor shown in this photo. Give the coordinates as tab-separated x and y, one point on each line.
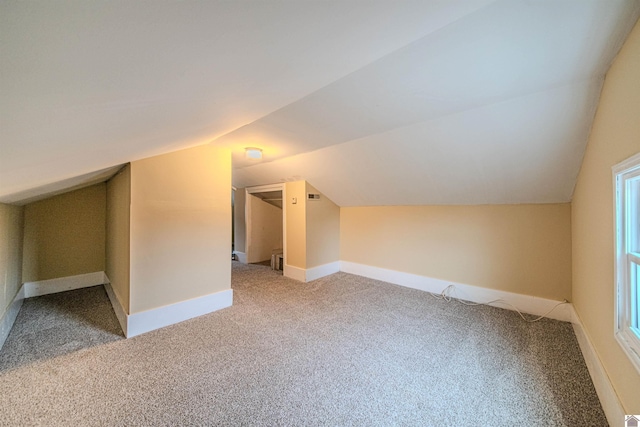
445	295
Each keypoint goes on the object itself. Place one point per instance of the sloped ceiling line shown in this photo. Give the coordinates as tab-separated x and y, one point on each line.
522	147
558	86
517	49
399	102
214	66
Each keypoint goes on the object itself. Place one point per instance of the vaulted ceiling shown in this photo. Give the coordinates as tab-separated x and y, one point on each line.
373	102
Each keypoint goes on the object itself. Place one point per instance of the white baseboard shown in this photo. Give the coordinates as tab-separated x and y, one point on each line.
146	321
9	318
242	257
525	303
309	274
321	271
118	309
52	286
606	393
294	273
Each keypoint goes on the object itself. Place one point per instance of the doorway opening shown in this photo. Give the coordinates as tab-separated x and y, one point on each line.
264	221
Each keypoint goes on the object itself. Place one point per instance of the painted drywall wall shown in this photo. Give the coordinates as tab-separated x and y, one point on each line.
265	231
11	228
296	224
615	136
524	249
65	235
323	229
180	226
117	254
239	220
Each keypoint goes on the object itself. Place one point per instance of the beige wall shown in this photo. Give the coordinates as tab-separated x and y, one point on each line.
11	226
296	234
323	230
524	249
265	229
239	220
65	235
180	226
117	236
615	136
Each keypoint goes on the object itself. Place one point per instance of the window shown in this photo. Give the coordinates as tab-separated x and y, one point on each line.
626	177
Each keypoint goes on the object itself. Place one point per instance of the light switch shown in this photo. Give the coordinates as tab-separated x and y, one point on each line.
294	200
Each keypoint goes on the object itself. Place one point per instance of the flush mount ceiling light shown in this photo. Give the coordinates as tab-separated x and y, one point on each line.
253	153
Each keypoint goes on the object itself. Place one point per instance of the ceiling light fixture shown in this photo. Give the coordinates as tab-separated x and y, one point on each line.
253	153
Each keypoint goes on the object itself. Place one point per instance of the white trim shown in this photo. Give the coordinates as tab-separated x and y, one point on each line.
248	226
525	303
626	164
264	188
61	284
309	274
628	341
247	211
118	309
284	225
322	271
10	315
242	257
295	273
146	321
606	393
625	300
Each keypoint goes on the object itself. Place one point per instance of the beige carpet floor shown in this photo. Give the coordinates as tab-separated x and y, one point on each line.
340	351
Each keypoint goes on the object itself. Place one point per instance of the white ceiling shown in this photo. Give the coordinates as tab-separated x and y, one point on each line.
373	102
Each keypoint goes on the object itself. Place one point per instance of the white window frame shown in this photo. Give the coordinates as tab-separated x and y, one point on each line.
627	309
